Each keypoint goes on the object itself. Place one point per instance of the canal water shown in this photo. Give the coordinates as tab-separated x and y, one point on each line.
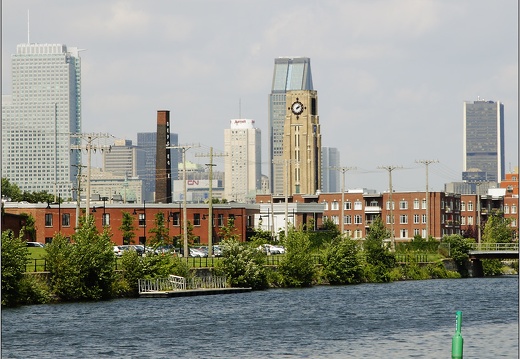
414	319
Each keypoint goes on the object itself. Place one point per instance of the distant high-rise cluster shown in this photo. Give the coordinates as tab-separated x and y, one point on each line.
330	162
40	116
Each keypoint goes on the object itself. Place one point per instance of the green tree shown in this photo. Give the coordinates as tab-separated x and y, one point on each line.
127	228
242	265
229	231
160	231
378	258
297	268
342	264
11	190
29	227
14	258
496	230
459	248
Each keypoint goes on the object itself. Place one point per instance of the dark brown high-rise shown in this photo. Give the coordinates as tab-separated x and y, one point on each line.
163	164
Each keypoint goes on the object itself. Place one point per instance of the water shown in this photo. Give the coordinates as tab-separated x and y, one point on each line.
413	319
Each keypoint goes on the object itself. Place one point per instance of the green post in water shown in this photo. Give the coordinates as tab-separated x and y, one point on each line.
457	342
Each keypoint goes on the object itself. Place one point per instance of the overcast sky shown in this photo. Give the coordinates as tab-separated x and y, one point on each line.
391	75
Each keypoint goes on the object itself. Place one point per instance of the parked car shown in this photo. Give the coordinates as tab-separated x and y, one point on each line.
35	244
217	251
117	251
131	247
271	249
194	252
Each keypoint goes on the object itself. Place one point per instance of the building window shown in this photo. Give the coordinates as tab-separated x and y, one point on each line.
388	205
348	219
106	219
65	220
416	219
142	219
416	204
424	203
334	219
423	218
48	219
470	220
403	219
463	220
48	240
348	205
358	219
403	205
387	219
358	206
326	205
462	206
176	218
506	209
348	232
470	206
513	223
196	219
423	233
416	232
513	209
220	220
404	233
358	233
334	206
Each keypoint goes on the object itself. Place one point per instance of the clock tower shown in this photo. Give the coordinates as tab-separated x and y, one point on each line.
302	143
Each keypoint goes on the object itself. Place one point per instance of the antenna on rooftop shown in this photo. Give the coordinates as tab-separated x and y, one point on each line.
28	28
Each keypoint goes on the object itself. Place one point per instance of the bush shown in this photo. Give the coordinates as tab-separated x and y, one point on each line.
297	268
14	258
342	263
242	265
492	267
34	290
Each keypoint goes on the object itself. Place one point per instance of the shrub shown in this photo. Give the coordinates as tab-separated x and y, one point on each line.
14	258
297	268
342	263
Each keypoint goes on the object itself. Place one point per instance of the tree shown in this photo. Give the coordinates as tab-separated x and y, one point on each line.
496	230
127	228
160	231
14	258
229	232
379	259
11	190
28	227
342	263
459	251
297	268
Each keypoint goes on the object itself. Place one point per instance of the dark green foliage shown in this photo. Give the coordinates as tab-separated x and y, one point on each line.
242	265
328	233
497	229
342	264
34	290
14	258
297	268
127	228
260	236
379	260
28	227
492	267
419	244
160	231
83	270
12	191
458	249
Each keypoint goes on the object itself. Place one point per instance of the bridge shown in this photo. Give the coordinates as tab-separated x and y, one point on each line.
493	251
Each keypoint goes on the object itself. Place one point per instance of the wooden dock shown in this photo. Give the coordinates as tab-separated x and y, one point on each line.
192	292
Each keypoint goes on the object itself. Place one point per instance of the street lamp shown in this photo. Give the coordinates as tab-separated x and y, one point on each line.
144	223
104	218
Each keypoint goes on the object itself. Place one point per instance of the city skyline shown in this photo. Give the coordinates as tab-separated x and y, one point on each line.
392	76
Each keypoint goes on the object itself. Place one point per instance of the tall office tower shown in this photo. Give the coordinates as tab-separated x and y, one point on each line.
289	74
39	117
121	160
330	175
163	160
146	154
483	141
243	161
302	143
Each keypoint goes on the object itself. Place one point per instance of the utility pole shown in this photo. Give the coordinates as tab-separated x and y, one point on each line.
426	163
89	138
210	202
392	235
343	170
184	148
78	195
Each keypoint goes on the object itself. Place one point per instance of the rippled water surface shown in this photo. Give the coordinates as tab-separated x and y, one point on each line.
414	319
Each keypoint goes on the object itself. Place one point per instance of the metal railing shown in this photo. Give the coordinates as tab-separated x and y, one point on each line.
176	283
407	258
494	247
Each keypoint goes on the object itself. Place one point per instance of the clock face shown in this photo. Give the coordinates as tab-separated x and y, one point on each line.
297	108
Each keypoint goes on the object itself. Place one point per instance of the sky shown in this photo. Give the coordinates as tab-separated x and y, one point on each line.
391	75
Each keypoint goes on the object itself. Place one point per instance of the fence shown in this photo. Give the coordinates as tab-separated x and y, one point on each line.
175	283
407	258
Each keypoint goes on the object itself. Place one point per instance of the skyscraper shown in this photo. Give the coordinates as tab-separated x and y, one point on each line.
121	160
242	163
39	117
330	162
483	141
289	74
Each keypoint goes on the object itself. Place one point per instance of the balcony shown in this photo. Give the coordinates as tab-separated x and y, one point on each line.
373	209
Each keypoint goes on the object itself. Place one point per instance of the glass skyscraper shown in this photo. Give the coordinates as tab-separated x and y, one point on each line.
484	141
330	162
289	74
39	117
